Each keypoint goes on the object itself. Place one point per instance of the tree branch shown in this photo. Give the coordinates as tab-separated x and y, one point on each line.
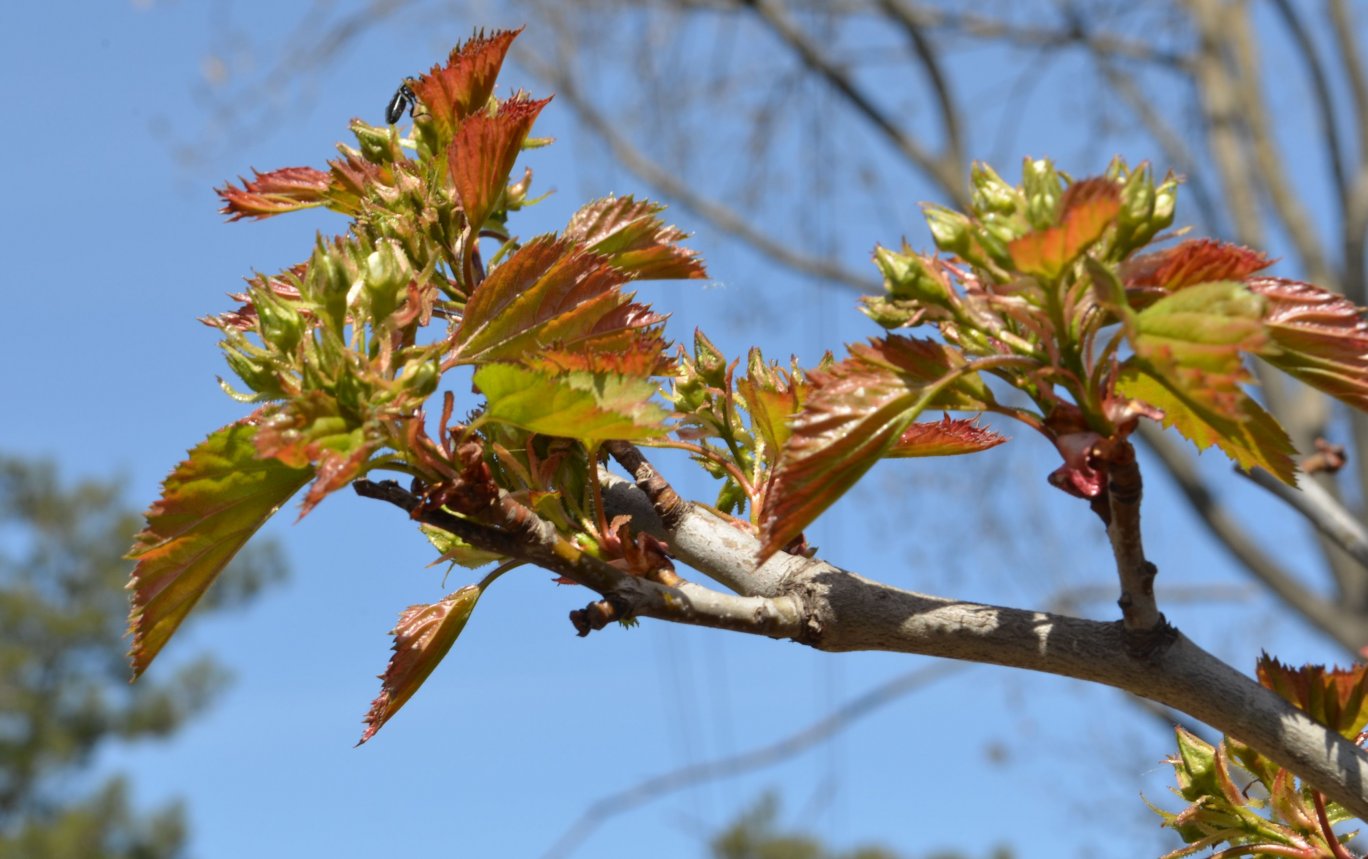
942	169
1327	616
1145	626
1321	509
722	218
841	612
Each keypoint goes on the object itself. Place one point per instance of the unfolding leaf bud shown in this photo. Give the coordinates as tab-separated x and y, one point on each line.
712	366
758	369
516	197
328	281
991	193
1042	186
279	322
949	230
387	275
375	143
907	276
420	378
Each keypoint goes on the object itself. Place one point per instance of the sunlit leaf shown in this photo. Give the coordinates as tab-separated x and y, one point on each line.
210	505
422	638
1251	437
284	190
1317	336
1188	362
644	355
550	292
854	413
309	430
586	406
633	239
1087	209
1192	262
464	85
483	152
457	551
1335	697
945	437
772	396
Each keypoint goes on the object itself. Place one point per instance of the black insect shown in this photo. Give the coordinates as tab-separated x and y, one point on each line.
404	99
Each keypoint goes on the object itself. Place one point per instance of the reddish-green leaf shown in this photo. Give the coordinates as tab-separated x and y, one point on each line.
586	406
1192	262
1188	362
945	437
628	232
1087	209
483	152
854	414
309	430
211	504
1335	697
1317	336
1241	428
272	193
464	85
422	637
550	292
772	397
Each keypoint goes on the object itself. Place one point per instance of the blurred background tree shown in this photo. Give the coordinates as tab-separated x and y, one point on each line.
64	690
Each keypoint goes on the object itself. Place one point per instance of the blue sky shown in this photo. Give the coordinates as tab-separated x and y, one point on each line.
113	247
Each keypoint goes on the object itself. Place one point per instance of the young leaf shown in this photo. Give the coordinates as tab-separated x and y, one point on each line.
464	85
549	292
422	637
211	504
1192	262
482	153
1188	363
633	239
945	437
285	190
585	406
1335	697
1317	336
1250	436
855	412
1087	209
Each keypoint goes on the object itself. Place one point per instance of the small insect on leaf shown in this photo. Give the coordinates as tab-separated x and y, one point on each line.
403	99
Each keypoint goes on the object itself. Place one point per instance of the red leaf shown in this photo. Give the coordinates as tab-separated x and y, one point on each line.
945	437
464	85
1317	336
1335	697
483	152
1192	262
1086	210
854	414
628	233
422	637
550	292
210	505
645	356
284	190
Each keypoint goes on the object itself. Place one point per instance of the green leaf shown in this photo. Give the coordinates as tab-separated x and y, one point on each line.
456	550
550	292
627	232
586	406
1188	362
422	638
211	504
1253	438
854	413
945	437
1316	336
